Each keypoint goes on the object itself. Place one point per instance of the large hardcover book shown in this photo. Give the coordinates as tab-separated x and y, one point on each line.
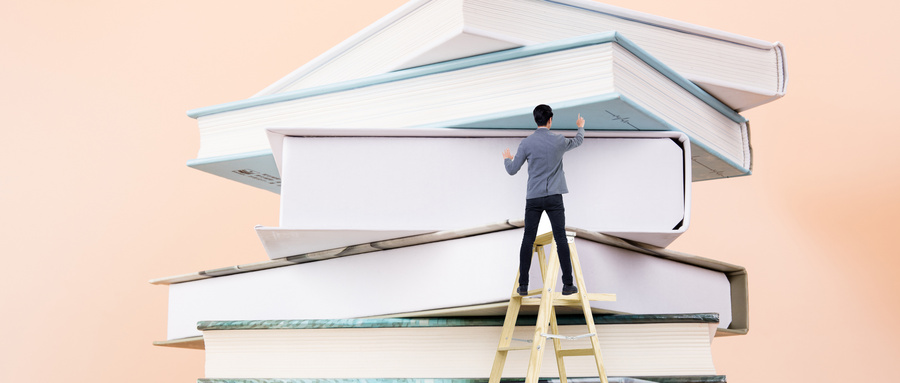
460	273
452	348
633	185
740	71
607	79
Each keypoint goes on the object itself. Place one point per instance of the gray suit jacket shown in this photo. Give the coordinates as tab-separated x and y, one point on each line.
544	152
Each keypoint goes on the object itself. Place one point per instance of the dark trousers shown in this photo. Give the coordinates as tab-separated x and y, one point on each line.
556	211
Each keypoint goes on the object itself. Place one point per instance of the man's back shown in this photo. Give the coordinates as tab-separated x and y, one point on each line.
544	150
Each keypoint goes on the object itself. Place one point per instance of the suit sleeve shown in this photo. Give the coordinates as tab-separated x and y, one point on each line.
513	165
574	142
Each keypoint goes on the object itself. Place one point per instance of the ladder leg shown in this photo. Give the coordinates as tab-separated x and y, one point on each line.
588	314
554	328
543	319
542	261
509	325
557	346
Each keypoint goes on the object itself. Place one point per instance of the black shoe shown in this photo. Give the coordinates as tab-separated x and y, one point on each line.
522	290
569	289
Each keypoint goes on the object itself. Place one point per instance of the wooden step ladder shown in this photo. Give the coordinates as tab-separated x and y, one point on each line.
548	300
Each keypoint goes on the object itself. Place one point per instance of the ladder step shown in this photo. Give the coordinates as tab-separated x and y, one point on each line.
576	352
547	238
544	239
570	300
516	348
597	297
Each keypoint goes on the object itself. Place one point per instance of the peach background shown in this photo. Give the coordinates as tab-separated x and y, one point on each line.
96	199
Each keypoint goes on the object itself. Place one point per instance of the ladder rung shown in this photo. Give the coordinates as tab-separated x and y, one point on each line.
576	352
517	348
570	300
593	297
547	238
543	239
531	301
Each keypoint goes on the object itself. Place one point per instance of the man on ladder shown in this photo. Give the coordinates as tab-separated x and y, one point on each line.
544	151
546	183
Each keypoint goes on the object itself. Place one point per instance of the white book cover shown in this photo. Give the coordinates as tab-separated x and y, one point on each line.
339	188
471	275
742	72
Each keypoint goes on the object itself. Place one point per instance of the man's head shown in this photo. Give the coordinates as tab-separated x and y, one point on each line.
543	115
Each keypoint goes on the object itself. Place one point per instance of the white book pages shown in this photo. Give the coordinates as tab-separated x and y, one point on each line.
631	184
449	274
647	349
609	86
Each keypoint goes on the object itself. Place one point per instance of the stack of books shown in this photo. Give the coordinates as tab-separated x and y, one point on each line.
398	241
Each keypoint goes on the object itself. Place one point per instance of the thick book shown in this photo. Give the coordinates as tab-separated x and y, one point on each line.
612	83
633	185
467	272
742	72
453	348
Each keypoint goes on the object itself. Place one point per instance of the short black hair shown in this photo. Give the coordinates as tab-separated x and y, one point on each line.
542	114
